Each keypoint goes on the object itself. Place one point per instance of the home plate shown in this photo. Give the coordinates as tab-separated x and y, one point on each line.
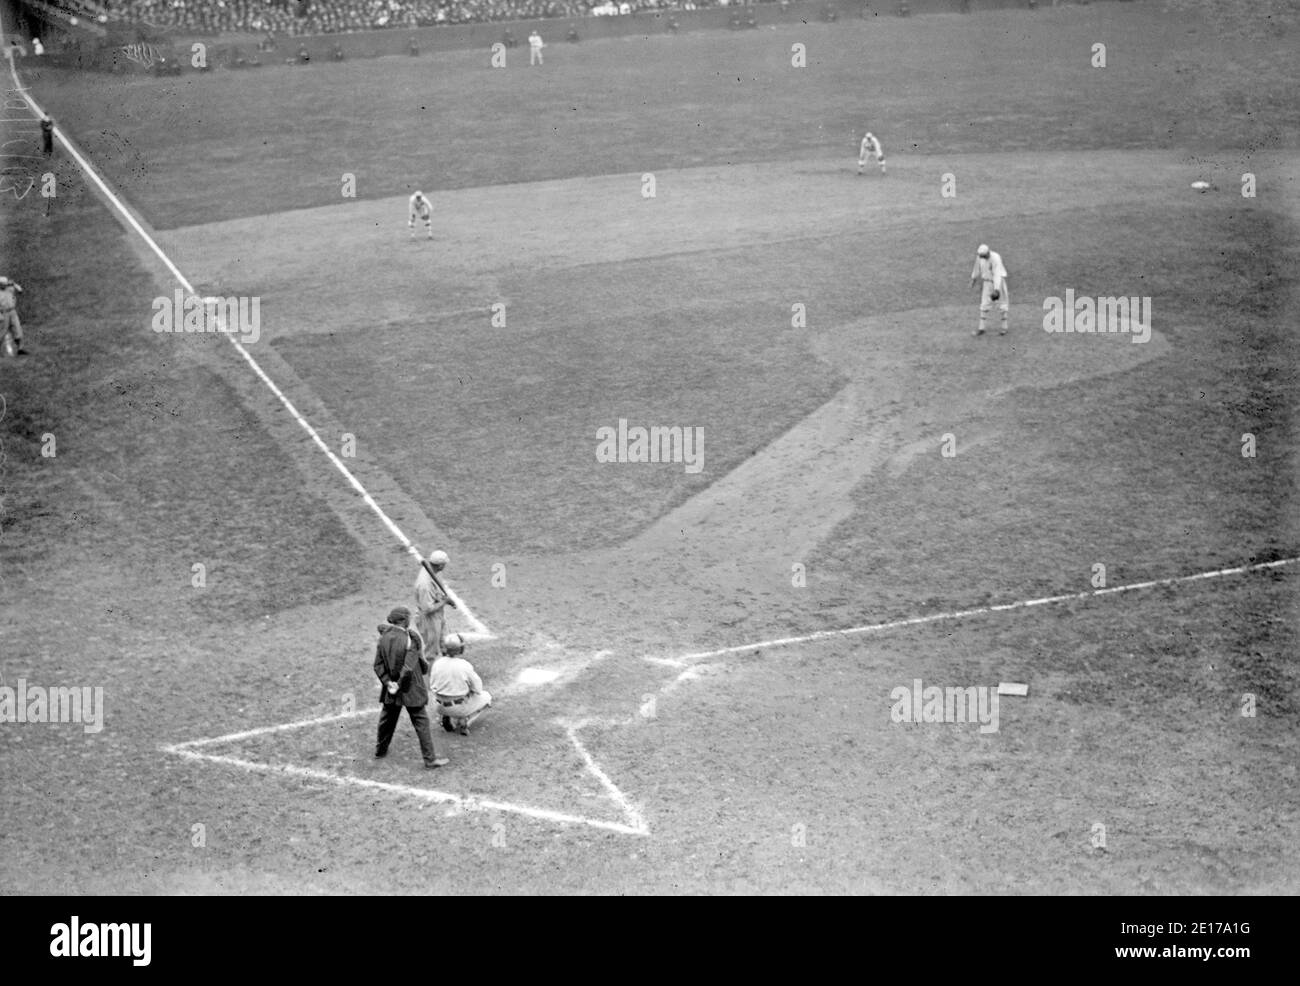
537	676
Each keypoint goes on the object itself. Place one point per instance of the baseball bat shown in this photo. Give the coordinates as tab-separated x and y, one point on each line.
428	567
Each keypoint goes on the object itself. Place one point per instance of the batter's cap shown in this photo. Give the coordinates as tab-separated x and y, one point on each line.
439	558
453	643
983	250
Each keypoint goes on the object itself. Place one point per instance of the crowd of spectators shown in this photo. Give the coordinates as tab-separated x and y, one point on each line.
302	17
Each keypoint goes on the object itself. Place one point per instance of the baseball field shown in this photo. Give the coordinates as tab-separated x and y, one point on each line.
696	663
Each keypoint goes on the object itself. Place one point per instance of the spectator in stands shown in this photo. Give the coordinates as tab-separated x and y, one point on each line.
303	17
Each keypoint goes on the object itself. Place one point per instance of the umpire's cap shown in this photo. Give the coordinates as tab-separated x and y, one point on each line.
399	616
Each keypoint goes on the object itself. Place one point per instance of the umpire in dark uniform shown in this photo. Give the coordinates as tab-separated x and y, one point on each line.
400	666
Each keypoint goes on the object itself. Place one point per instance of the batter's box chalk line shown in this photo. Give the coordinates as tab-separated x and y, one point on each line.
632	823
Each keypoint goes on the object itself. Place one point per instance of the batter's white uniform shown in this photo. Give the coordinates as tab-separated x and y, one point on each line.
871	148
993	275
420	207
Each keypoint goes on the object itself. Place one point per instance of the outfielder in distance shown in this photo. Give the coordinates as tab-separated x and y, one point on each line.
871	148
990	273
419	206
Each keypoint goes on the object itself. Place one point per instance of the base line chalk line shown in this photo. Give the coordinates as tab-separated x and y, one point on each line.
682	660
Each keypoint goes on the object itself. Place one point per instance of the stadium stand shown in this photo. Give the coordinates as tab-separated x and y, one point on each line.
302	17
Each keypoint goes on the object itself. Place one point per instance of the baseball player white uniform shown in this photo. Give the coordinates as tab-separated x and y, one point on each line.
871	149
992	276
11	329
420	207
431	605
457	688
535	46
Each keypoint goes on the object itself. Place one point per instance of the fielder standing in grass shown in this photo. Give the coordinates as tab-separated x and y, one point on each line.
419	206
992	276
871	149
535	46
11	330
431	603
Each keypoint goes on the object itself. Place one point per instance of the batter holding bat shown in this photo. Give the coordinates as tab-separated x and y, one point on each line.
431	602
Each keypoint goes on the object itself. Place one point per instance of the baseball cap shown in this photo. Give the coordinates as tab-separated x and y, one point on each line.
983	251
439	558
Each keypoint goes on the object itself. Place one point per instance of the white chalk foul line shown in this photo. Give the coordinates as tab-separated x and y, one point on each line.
463	802
477	628
634	824
684	659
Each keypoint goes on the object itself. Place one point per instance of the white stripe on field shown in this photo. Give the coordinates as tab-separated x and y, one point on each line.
638	825
959	614
465	803
476	625
284	727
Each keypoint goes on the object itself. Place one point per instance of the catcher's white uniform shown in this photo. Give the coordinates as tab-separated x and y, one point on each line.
992	275
871	148
421	207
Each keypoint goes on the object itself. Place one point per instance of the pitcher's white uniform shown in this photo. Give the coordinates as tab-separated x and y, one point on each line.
992	275
423	208
871	148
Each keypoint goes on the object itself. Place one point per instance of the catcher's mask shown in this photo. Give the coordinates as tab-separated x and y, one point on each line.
453	644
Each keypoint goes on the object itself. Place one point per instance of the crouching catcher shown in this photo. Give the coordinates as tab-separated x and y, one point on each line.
457	687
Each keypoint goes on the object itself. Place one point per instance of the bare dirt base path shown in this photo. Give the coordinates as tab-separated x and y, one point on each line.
913	375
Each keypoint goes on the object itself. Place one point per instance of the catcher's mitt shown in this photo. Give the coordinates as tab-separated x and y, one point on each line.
995	295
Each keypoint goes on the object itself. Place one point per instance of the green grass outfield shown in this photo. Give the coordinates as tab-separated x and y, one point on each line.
822	444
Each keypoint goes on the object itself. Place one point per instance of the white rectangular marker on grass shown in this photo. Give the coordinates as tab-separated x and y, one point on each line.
537	676
1011	688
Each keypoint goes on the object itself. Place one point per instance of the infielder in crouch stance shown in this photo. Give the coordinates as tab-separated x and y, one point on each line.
870	148
989	270
420	206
